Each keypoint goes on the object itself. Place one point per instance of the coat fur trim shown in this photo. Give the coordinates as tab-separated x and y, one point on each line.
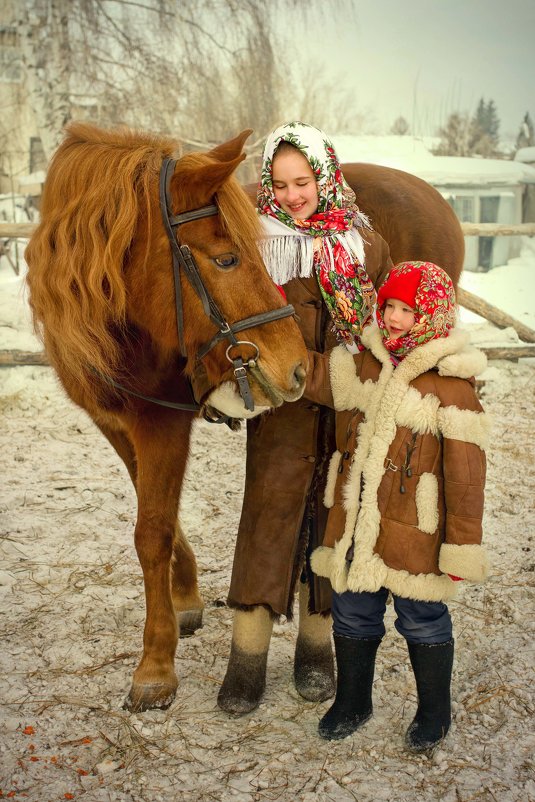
332	475
464	424
424	587
347	389
417	413
468	561
427	503
470	362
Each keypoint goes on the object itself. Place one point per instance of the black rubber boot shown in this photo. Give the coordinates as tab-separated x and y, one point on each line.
432	665
355	662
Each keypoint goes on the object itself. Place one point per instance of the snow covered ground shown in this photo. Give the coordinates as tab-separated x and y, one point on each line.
72	611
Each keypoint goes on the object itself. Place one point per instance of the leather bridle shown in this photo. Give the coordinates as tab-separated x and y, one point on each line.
183	260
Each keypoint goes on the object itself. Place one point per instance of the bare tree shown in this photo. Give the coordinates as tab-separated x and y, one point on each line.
455	136
197	69
400	127
44	39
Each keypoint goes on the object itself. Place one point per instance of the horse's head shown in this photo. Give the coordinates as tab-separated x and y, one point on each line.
224	249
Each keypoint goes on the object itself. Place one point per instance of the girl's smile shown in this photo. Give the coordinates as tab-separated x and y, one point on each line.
294	184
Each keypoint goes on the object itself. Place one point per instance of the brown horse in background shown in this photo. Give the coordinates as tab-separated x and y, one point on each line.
410	214
102	293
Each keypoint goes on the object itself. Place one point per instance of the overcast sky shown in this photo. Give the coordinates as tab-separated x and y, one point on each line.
424	59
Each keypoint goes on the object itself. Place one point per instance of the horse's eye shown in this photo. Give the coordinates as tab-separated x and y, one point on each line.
226	260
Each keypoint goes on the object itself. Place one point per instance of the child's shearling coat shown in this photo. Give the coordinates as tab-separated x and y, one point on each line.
423	414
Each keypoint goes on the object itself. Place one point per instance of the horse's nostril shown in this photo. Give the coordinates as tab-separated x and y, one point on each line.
300	375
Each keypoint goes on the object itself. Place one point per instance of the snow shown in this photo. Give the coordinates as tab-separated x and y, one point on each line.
72	617
526	155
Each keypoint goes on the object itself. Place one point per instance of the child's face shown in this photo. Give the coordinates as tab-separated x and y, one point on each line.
294	184
399	318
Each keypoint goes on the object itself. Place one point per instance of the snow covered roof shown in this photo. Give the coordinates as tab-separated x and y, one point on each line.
525	155
412	155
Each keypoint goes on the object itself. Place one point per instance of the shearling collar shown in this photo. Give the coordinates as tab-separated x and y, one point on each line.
452	355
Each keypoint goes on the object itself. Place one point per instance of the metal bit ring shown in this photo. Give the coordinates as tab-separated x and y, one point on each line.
251	363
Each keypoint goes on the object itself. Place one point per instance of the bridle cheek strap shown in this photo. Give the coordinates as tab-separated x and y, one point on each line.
183	260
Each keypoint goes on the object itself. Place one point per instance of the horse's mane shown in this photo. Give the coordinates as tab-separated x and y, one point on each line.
98	185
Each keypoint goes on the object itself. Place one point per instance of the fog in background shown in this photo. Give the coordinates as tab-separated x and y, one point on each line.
424	59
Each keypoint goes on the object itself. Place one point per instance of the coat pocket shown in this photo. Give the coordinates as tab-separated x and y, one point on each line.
427	503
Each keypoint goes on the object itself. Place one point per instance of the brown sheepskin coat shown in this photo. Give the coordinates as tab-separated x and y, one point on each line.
419	427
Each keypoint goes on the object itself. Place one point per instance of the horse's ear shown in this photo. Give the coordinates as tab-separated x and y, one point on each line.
200	184
229	150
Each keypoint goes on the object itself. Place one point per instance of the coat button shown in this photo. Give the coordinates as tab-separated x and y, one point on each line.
314	408
309	458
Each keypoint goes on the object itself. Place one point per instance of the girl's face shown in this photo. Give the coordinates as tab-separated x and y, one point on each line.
399	318
294	184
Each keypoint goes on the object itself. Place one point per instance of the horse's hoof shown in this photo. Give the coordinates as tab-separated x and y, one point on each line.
314	671
149	696
189	621
244	682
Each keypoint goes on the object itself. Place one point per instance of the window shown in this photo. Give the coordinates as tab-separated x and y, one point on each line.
464	207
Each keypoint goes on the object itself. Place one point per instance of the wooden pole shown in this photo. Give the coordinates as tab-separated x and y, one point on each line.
10	359
509	352
14	358
498	229
476	304
17	230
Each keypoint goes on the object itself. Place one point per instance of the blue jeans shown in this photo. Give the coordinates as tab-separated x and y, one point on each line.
360	615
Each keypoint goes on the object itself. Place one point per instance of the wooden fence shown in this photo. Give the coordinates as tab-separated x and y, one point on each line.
25	230
467	299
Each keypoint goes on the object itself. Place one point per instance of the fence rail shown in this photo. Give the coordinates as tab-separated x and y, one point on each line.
25	230
498	229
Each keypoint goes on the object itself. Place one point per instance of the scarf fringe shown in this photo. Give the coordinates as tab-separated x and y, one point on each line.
292	256
287	257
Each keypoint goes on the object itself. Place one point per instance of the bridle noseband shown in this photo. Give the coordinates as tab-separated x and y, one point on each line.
183	260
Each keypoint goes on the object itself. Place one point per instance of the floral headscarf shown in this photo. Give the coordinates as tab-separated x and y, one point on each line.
429	291
326	244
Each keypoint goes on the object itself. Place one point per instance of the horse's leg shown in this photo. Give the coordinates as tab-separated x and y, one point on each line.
245	679
184	588
160	443
313	663
123	446
186	599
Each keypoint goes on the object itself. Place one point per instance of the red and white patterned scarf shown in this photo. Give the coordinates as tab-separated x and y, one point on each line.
327	244
431	296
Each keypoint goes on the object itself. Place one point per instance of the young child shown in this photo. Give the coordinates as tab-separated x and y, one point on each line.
405	492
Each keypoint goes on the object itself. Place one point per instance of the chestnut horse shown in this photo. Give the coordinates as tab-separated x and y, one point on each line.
123	327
